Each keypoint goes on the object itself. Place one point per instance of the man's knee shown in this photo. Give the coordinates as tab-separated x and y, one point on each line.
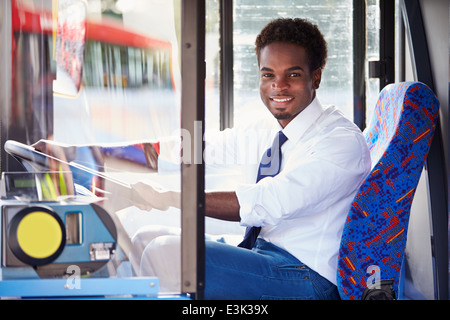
161	258
163	246
146	234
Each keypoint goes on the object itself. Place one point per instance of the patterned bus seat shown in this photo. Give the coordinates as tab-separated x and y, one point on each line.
374	237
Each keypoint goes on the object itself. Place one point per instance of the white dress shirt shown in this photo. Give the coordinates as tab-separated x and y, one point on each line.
303	209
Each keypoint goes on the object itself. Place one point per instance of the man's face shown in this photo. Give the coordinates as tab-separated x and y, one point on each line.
287	86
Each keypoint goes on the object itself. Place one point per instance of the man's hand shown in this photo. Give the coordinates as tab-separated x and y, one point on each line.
151	155
147	197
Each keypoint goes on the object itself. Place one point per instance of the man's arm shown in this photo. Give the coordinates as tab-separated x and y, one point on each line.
219	205
222	205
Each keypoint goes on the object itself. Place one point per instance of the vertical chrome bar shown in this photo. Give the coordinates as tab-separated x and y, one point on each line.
192	170
226	65
5	80
359	59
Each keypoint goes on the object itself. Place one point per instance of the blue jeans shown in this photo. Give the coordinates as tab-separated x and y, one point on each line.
265	272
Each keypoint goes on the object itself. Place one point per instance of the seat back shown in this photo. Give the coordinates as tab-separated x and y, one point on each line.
374	236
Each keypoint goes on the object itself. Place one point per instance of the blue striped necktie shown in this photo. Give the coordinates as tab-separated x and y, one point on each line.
269	167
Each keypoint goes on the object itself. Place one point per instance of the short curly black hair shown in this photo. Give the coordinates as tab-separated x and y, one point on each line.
298	31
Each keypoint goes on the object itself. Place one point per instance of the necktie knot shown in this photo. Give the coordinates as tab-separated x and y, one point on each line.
271	161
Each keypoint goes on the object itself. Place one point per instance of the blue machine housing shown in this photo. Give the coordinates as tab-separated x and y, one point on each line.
80	270
94	244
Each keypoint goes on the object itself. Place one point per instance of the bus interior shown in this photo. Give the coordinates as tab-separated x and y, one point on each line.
111	81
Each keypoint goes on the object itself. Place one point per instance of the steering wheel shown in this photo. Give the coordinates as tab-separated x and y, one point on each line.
29	157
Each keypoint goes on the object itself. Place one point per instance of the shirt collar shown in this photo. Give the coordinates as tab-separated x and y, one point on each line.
300	124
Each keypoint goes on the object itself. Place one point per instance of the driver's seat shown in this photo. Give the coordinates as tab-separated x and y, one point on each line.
374	237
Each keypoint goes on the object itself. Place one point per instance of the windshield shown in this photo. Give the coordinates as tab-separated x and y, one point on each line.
94	87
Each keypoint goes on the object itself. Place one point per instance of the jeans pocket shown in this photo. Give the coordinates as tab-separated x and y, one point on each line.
293	272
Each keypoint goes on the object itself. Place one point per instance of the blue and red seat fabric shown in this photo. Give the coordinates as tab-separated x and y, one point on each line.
374	237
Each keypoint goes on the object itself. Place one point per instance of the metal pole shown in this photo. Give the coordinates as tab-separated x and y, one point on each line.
359	58
226	64
192	167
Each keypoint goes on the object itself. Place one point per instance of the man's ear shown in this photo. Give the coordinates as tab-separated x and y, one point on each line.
317	78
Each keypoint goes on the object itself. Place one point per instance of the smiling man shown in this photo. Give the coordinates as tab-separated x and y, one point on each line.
296	206
288	83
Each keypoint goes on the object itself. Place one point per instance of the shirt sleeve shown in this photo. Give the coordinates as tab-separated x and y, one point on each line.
314	177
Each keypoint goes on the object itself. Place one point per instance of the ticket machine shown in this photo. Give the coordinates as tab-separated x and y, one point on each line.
57	244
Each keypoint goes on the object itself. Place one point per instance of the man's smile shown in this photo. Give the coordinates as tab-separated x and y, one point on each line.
281	99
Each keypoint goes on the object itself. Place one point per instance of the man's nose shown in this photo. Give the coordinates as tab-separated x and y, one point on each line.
280	84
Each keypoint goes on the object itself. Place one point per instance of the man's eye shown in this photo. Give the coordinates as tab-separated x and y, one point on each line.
295	74
267	75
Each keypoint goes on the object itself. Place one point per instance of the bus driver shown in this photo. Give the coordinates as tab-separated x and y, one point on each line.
296	207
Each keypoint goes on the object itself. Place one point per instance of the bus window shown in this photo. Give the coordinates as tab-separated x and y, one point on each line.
338	78
212	85
129	80
336	86
372	53
373	48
